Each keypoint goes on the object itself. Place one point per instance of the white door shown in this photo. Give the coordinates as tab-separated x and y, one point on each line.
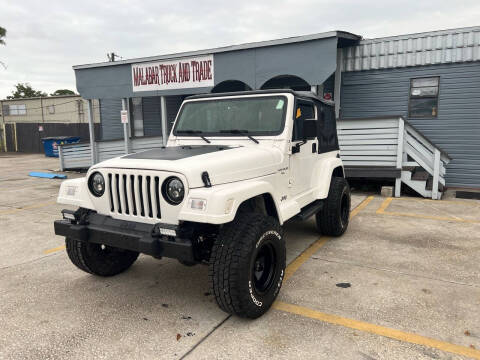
302	162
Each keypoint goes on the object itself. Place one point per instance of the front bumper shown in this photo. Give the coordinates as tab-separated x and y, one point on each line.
140	237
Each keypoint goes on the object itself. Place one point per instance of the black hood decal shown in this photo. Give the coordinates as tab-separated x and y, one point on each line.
177	152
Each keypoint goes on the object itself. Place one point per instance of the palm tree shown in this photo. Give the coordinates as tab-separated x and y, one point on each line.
3	33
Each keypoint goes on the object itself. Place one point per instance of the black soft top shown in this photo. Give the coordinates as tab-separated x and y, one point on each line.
300	94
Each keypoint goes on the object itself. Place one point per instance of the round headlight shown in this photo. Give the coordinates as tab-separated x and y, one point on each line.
96	184
173	190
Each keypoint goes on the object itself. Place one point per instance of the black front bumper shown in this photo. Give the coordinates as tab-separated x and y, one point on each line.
140	237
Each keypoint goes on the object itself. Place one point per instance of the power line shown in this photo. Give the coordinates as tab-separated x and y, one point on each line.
44	106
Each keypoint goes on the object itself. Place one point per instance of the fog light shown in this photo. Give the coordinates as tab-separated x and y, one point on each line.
198	204
168	232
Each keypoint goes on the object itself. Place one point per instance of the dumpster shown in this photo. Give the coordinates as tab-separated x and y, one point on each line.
50	144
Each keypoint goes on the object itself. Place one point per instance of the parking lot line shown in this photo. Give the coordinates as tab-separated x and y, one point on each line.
377	330
312	249
470	202
58	248
383	207
33	206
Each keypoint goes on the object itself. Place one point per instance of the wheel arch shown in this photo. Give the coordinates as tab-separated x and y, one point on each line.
263	202
338	172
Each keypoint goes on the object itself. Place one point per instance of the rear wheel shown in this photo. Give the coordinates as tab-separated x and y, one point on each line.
99	259
247	265
333	219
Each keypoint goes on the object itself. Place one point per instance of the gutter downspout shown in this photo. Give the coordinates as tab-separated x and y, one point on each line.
3	145
41	108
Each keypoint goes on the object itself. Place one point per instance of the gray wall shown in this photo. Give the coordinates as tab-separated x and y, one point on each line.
314	61
110	124
457	127
152	116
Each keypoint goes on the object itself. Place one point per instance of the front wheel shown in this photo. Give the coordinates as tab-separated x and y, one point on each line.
99	259
333	219
247	265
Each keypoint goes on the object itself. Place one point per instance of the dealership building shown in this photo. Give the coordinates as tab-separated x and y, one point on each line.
428	82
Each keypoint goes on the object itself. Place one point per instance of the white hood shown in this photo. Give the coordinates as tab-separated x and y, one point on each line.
224	164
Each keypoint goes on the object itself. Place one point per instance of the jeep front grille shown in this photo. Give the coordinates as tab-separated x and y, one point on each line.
134	195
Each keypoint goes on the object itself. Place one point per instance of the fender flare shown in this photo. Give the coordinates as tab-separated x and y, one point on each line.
323	176
224	200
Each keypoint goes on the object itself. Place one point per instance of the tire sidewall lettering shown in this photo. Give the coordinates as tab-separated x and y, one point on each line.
275	292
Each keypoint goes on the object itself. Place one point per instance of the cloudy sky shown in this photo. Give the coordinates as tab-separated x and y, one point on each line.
45	38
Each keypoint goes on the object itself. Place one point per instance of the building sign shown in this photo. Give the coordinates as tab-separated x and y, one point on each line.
174	74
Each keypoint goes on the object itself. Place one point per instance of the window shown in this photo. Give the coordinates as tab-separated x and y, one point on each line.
51	109
256	115
17	109
303	111
424	97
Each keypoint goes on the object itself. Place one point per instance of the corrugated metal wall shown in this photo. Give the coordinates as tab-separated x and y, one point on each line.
457	127
435	47
110	124
152	116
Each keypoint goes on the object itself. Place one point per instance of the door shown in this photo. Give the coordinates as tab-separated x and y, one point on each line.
302	163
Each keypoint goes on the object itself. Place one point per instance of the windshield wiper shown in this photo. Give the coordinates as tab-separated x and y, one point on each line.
240	132
194	132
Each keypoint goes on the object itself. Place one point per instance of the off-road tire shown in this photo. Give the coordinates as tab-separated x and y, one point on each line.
333	219
233	270
97	259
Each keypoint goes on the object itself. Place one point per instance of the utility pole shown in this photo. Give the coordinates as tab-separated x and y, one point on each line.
111	56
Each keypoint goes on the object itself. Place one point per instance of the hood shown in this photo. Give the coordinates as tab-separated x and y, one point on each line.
224	164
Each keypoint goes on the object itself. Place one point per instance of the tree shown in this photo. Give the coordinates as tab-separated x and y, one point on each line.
3	33
60	92
25	90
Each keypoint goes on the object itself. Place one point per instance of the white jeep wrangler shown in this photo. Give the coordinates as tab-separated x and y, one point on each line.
236	167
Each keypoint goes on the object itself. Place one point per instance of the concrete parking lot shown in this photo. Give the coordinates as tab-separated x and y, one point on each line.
402	283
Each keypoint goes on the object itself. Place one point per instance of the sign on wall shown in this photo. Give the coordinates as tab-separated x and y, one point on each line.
174	74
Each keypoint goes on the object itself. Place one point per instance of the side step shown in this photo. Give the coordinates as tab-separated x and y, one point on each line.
310	210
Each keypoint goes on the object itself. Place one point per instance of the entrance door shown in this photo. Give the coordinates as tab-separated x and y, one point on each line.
302	163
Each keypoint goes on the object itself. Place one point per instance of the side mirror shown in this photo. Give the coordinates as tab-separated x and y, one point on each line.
309	129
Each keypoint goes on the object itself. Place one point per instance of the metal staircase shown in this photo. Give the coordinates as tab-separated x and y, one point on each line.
392	147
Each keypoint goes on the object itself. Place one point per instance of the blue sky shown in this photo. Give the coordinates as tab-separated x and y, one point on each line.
45	39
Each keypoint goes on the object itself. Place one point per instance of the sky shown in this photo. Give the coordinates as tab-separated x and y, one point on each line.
46	38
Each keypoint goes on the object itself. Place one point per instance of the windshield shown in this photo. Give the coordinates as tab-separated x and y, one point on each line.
254	115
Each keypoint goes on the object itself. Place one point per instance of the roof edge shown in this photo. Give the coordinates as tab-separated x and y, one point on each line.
420	34
243	46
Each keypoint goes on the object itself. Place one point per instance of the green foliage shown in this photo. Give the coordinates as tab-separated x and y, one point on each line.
25	90
60	92
3	33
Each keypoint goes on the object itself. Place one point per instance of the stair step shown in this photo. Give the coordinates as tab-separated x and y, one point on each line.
408	168
420	174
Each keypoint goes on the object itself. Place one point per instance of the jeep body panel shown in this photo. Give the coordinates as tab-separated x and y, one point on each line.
237	167
227	165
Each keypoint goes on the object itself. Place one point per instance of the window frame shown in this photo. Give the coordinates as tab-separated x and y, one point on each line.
437	97
17	109
217	134
302	100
